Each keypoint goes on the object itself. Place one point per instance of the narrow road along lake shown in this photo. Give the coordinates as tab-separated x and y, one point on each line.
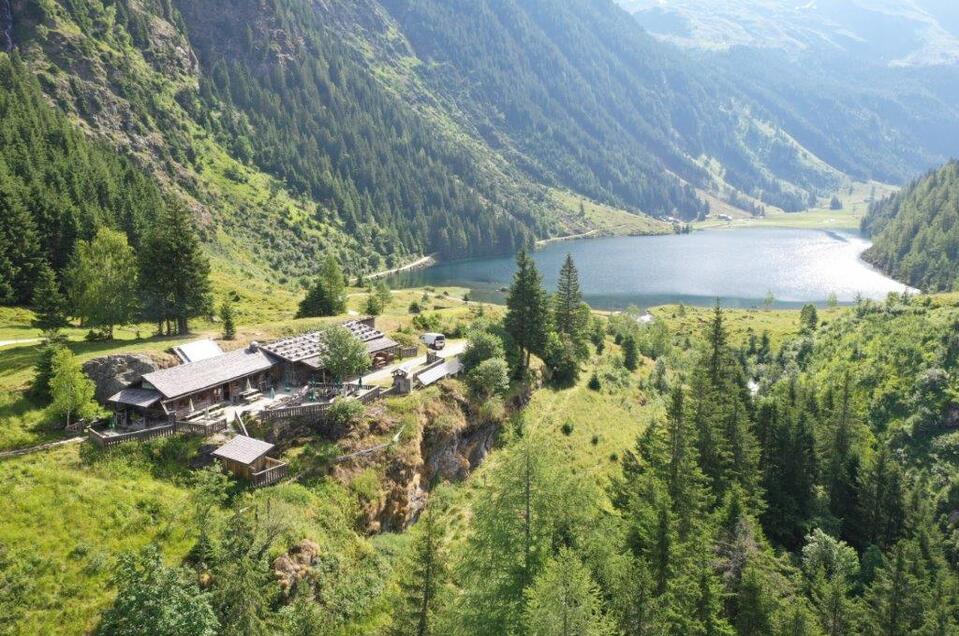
740	267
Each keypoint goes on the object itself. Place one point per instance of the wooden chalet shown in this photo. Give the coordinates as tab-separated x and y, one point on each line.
210	379
302	356
247	458
178	392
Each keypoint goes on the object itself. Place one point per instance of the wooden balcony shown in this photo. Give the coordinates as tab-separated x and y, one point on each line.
274	472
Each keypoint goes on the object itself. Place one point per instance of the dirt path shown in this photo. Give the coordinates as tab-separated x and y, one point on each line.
40	447
571	237
4	343
419	263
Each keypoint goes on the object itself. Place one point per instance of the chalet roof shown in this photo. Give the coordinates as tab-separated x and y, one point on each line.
440	371
309	348
204	374
243	449
197	350
142	398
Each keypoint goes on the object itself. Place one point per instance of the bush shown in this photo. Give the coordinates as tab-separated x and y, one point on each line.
594	383
489	378
482	346
595	440
345	412
415	308
561	359
567	428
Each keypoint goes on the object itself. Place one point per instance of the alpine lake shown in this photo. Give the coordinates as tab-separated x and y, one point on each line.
739	267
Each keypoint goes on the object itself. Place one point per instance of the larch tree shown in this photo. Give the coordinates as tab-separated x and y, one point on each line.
71	390
422	583
102	278
565	601
527	310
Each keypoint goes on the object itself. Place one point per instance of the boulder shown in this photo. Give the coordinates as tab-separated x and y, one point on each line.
112	373
293	566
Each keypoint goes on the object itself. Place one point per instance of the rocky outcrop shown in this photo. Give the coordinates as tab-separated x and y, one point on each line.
6	26
292	567
112	373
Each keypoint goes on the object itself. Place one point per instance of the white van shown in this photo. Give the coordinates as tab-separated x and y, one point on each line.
434	341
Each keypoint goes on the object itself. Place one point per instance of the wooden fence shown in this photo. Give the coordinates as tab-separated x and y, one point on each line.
105	440
274	472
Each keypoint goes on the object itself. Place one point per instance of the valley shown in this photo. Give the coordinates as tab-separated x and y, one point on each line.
479	317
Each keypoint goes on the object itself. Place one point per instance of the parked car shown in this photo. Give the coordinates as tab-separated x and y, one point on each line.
435	341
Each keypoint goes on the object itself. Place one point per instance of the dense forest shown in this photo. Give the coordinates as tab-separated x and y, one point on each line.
378	131
57	186
915	232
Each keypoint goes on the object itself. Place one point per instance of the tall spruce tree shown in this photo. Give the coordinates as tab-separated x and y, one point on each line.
568	317
527	311
174	271
327	296
48	303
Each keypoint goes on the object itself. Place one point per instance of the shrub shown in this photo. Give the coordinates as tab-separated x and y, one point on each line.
595	440
567	428
489	378
562	360
345	412
594	383
482	346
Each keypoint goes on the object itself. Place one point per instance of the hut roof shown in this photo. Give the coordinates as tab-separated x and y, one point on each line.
440	371
197	350
204	374
309	348
142	398
243	449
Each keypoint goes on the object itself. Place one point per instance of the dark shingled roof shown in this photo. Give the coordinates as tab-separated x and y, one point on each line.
204	374
309	348
440	371
136	397
243	449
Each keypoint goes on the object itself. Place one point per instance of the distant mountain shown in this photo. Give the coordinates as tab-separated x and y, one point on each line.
377	130
916	232
892	32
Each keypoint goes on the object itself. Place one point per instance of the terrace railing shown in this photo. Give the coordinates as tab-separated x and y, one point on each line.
275	471
112	439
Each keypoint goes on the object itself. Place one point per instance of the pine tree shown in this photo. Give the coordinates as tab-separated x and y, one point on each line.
327	296
53	342
175	273
48	303
567	316
226	317
527	315
630	353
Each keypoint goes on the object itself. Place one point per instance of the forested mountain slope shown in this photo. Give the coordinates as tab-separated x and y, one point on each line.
916	232
379	130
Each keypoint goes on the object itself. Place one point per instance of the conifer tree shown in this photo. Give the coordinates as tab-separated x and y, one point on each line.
565	601
527	313
422	583
226	317
48	302
174	272
568	301
53	342
327	296
630	353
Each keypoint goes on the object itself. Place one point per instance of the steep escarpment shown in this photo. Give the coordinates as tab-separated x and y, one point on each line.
916	231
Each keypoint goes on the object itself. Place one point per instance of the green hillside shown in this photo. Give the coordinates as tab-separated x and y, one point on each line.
380	131
916	231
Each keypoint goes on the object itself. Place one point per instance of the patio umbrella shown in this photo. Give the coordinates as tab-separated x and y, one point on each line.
272	393
191	405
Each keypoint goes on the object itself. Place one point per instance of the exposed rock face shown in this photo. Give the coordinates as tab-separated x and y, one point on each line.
293	566
112	373
6	26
